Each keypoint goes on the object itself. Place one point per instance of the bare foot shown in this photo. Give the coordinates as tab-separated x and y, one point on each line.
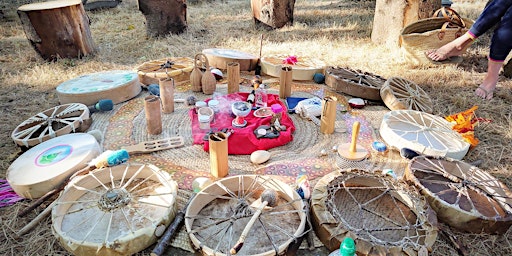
453	48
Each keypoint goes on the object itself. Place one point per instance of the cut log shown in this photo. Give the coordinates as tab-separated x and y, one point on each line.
507	69
164	16
273	13
391	16
57	29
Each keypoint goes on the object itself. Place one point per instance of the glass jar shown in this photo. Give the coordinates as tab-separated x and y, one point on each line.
277	115
204	122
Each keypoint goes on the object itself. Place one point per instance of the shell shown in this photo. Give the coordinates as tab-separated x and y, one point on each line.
260	156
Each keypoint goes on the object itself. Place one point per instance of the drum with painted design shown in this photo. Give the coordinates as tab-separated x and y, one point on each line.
43	167
117	85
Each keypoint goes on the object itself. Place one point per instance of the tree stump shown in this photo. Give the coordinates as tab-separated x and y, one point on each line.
57	29
391	16
164	16
273	13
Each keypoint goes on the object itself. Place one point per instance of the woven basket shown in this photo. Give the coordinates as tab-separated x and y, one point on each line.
426	34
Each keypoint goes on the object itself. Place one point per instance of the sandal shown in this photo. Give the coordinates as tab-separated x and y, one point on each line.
486	93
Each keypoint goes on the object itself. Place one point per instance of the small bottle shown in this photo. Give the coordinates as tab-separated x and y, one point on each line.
277	111
261	97
347	248
251	97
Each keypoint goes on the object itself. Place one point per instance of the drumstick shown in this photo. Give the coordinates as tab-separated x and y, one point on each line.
170	231
269	196
107	158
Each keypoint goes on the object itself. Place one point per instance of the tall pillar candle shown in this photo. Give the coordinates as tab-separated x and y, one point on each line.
285	82
218	143
153	114
233	77
328	117
167	94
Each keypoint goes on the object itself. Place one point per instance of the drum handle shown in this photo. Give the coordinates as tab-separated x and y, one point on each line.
170	231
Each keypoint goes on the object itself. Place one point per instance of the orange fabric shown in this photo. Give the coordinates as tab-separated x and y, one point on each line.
464	123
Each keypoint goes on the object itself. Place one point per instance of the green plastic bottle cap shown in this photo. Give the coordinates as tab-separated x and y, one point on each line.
348	247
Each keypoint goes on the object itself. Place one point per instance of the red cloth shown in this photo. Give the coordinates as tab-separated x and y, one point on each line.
243	141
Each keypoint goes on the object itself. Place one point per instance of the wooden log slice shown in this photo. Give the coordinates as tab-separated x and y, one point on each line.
354	82
304	69
218	214
382	215
51	123
118	210
464	196
57	29
424	133
178	69
43	167
117	85
399	93
219	58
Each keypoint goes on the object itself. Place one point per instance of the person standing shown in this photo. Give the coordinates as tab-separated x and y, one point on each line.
497	13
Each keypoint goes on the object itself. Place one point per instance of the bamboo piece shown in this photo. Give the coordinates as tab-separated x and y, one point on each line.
328	117
167	94
285	82
208	81
218	143
153	114
57	29
233	77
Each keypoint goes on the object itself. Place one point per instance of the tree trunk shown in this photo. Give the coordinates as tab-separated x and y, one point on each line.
164	16
57	29
507	69
391	16
273	13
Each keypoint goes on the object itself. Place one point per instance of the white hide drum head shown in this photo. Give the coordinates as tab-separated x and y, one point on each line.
43	167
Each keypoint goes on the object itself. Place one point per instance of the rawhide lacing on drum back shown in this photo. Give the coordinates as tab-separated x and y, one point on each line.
379	211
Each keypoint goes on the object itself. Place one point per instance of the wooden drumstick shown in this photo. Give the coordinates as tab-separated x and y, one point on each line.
352	151
170	231
268	197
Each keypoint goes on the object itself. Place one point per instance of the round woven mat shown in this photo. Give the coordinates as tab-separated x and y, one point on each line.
126	125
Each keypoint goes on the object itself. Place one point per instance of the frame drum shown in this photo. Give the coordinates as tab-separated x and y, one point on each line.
118	210
41	168
117	85
217	215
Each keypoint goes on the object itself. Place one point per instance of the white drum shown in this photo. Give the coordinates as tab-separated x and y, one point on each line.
118	210
43	167
424	133
117	85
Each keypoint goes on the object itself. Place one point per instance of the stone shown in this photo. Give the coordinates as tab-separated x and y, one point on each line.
260	156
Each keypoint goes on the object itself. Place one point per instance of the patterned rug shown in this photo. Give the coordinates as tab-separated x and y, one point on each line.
310	152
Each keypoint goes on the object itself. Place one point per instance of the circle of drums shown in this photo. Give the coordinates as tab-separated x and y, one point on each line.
124	208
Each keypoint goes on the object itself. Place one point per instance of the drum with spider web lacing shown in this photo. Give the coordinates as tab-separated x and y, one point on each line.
383	216
118	210
463	196
177	68
217	215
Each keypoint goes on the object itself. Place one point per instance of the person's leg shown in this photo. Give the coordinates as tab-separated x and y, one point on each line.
501	45
490	16
486	89
453	48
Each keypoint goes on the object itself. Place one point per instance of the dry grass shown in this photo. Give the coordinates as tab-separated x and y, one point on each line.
337	32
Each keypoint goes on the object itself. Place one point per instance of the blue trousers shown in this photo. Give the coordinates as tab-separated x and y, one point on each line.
498	12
